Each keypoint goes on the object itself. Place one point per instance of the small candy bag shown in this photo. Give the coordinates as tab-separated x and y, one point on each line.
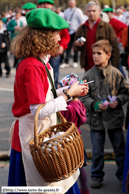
112	98
68	80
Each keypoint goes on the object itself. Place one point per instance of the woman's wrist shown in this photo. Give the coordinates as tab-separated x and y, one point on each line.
66	94
65	97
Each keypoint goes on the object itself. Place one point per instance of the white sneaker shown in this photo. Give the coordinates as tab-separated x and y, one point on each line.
75	65
64	65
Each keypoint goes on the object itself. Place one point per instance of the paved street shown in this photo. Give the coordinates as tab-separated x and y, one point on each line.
110	185
6	117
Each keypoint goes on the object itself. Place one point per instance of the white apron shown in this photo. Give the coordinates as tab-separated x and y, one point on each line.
26	134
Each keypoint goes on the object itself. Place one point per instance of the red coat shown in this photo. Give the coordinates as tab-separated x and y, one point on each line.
118	27
65	38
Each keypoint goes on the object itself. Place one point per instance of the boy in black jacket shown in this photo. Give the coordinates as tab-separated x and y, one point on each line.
107	94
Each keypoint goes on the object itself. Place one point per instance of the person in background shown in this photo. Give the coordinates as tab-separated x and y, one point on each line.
59	12
14	27
74	16
122	8
93	30
107	94
105	6
45	4
118	27
26	8
4	47
10	12
4	19
126	15
65	38
9	17
85	17
119	15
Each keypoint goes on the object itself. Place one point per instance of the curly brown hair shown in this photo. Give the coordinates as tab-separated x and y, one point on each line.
31	42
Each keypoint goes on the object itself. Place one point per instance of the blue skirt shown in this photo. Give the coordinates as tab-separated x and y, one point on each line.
17	174
126	163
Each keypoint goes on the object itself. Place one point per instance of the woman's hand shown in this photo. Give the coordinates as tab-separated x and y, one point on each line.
78	90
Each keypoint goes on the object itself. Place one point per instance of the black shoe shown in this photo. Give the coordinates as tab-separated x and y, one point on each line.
95	183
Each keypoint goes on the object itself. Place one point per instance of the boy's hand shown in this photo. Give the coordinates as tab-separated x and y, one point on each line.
113	104
103	107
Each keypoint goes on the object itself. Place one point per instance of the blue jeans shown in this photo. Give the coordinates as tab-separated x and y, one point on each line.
121	69
98	139
55	63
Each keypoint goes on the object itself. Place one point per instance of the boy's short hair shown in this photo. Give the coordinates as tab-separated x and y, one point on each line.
104	45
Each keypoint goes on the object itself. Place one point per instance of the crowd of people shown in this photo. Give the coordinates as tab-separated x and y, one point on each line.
42	38
14	20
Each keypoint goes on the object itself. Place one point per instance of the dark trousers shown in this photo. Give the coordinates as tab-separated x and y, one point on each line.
62	58
15	61
55	63
98	139
68	50
4	59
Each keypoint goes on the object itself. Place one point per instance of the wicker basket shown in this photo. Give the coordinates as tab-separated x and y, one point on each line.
60	157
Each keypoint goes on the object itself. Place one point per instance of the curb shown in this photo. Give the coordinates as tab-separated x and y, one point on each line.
108	155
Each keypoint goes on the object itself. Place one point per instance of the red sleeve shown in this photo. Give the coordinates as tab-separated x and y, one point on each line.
118	26
36	84
65	38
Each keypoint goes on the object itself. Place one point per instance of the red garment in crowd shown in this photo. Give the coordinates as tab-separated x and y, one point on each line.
30	87
65	38
90	40
118	27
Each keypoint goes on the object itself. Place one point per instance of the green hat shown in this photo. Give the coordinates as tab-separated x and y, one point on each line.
109	9
43	1
29	6
45	18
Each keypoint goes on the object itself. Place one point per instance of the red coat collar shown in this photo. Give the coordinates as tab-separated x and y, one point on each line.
87	22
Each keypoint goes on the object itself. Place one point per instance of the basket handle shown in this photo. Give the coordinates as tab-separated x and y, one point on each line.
36	121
